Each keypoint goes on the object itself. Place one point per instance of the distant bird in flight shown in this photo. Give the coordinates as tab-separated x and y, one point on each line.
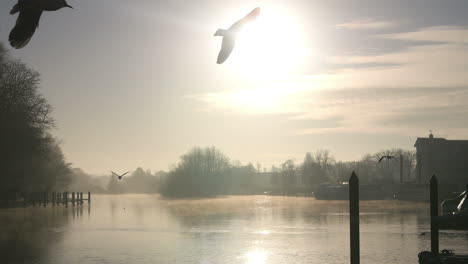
119	176
386	157
30	12
229	35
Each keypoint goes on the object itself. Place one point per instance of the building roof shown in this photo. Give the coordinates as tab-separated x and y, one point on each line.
439	140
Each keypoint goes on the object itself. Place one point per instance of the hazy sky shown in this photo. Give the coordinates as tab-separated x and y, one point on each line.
135	83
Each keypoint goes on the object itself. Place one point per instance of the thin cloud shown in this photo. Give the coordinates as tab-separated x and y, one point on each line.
366	23
394	110
439	34
415	89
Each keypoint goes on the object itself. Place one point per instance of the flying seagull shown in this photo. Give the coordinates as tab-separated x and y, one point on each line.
229	35
30	12
386	157
119	176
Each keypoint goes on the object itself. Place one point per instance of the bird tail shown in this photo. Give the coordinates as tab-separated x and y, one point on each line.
220	32
15	9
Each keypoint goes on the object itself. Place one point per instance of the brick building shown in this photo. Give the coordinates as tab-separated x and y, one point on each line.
447	159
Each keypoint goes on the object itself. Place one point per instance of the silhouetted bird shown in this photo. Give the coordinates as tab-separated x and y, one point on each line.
119	176
386	157
229	35
30	12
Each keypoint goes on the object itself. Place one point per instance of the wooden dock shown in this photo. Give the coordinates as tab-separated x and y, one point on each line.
445	256
425	257
49	198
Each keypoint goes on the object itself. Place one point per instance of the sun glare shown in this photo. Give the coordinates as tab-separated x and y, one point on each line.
256	257
271	46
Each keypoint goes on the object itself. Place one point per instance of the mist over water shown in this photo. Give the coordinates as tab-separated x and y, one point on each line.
235	229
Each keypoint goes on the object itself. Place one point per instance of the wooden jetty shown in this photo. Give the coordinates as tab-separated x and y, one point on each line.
56	198
49	198
446	256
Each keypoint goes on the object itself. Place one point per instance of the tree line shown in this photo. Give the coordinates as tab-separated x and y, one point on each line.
30	157
208	172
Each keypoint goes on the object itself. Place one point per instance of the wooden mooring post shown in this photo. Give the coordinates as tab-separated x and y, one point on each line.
354	218
401	168
44	199
434	200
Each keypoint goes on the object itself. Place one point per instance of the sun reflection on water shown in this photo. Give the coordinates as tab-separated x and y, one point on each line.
263	232
256	256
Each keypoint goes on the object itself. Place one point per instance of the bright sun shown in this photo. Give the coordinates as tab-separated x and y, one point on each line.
273	45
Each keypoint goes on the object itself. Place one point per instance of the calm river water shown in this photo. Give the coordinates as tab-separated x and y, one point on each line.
238	229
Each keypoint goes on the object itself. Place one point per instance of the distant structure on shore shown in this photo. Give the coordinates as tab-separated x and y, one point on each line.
448	159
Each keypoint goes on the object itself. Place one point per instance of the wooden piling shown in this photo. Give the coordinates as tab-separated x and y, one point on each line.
354	218
434	213
89	198
73	198
66	199
401	168
81	197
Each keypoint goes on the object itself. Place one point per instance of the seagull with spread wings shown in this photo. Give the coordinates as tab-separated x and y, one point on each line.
30	12
119	176
229	35
386	157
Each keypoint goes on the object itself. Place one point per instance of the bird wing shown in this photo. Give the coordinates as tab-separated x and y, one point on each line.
247	19
115	174
124	174
26	24
226	48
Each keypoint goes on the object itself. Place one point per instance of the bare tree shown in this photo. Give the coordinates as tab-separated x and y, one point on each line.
30	157
316	168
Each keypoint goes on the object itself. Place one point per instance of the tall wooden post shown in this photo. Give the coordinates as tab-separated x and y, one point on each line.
354	218
66	199
73	198
89	198
81	197
401	168
434	213
419	167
